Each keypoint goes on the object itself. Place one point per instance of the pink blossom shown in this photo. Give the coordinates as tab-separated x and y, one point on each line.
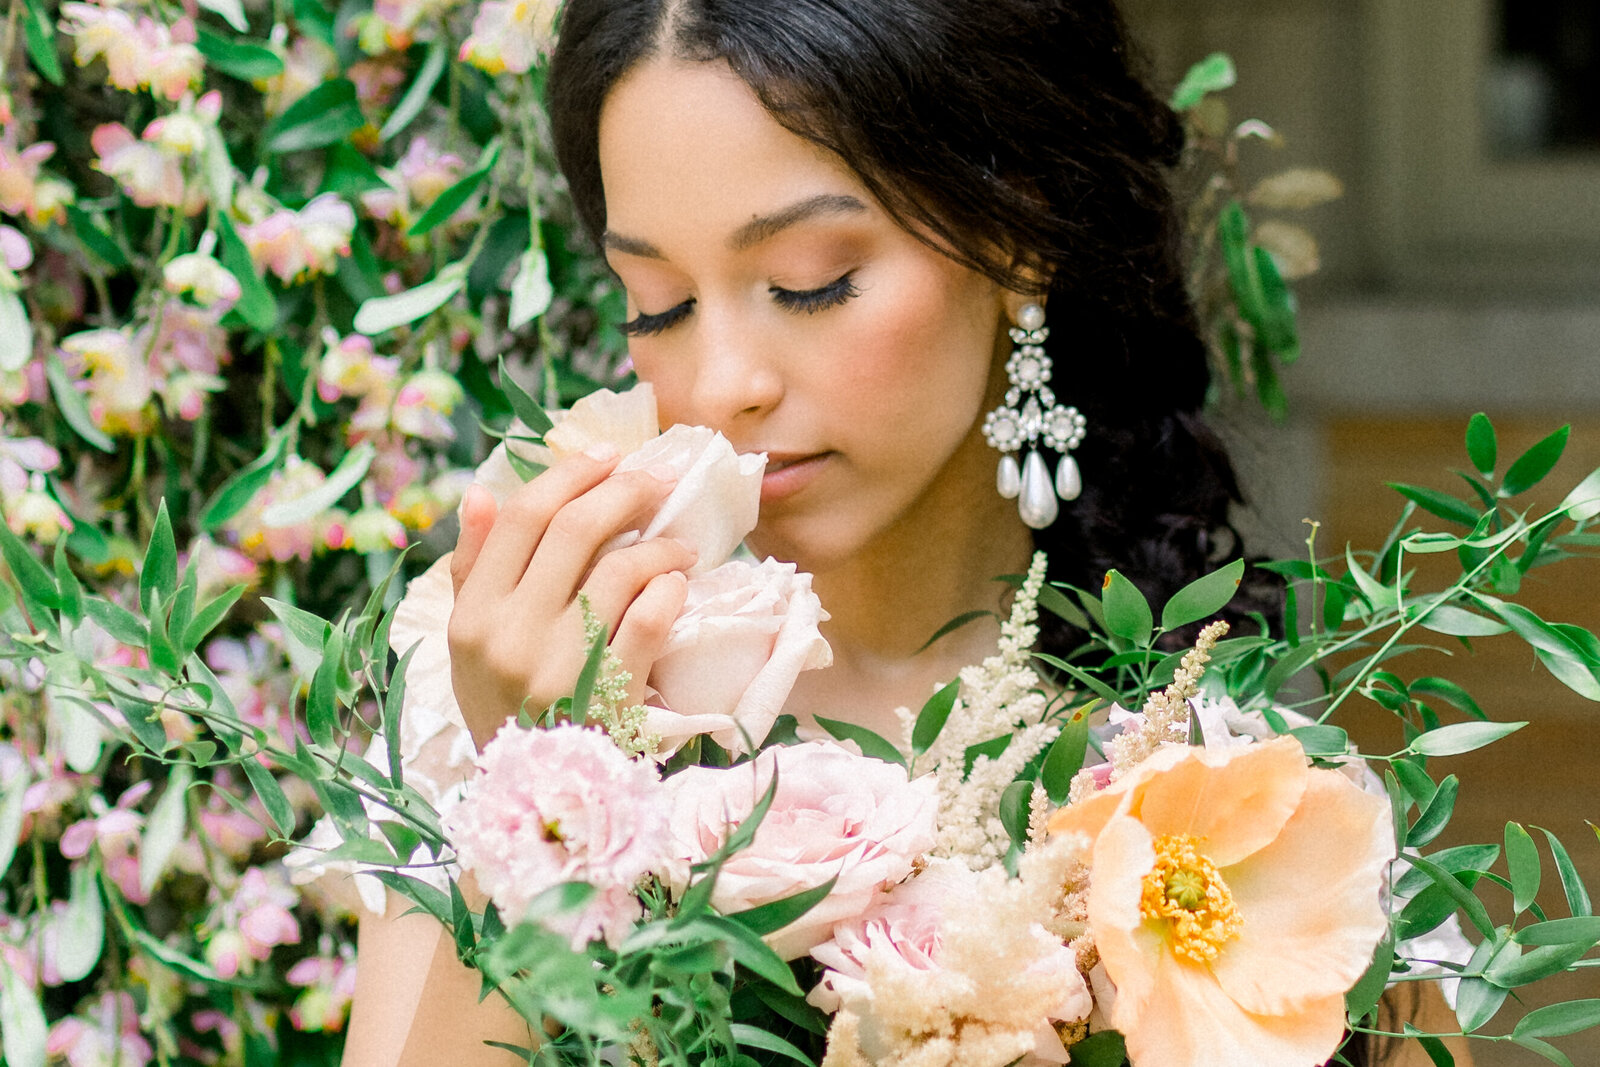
510	35
153	178
114	832
23	189
282	543
111	369
372	530
330	986
139	54
562	805
15	251
251	920
835	814
424	403
350	368
205	280
107	1033
295	245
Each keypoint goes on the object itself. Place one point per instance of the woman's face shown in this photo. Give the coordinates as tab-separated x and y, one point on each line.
771	298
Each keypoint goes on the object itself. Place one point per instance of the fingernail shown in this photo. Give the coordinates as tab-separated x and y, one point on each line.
663	472
600	452
694	553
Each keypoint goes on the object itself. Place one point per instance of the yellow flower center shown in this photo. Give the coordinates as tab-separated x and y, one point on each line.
1186	890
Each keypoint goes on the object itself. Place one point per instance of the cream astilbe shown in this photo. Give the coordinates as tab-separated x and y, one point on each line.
1002	695
609	706
1165	717
996	982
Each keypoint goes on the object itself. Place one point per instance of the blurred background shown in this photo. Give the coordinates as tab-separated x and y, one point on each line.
1460	272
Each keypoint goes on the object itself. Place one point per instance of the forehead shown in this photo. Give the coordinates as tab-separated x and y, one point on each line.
687	151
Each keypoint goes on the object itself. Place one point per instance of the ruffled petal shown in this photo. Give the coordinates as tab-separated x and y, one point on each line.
1235	800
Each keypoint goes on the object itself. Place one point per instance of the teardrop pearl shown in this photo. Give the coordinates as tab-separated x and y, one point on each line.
1037	504
1008	479
1069	483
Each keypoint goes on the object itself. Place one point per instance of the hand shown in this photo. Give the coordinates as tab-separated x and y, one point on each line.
516	632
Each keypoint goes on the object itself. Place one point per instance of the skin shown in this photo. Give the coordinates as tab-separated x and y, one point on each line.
878	385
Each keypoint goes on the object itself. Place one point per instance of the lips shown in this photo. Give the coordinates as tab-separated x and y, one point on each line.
789	472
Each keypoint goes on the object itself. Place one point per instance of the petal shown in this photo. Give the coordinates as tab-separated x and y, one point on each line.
1192	1022
1310	900
1236	800
1129	950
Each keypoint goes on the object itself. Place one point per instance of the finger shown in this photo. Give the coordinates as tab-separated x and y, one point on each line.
523	519
642	634
478	510
619	577
577	532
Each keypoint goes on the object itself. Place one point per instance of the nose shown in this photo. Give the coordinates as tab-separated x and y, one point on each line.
738	372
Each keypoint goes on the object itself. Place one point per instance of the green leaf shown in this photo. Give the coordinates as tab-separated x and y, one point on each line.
775	915
1015	808
1459	622
1066	756
523	405
1571	884
934	714
1470	905
1436	816
114	619
1436	1050
1531	467
81	935
159	571
326	114
451	200
387	312
1418	785
1468	860
271	795
1055	601
257	306
1277	332
74	409
531	291
1442	504
1211	75
755	1037
208	618
1583	503
322	703
165	829
871	744
1482	447
1522	859
1202	597
95	239
1545	1049
345	477
40	36
239	57
1095	685
1558	1020
1576	676
39	591
416	97
1579	928
349	173
1127	612
1103	1049
583	691
991	748
1380	596
1461	737
22	1022
1477	1001
1511	971
393	703
11	815
1362	999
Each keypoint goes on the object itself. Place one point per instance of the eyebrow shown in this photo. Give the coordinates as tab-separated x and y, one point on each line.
759	229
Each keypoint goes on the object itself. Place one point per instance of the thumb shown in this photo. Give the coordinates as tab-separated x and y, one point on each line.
478	511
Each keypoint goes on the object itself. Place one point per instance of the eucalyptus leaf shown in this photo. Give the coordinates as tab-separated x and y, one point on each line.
1557	1020
1583	503
755	1037
242	486
1584	929
271	795
1522	859
1459	622
416	97
1571	884
1436	816
1441	504
531	291
522	405
775	915
1531	467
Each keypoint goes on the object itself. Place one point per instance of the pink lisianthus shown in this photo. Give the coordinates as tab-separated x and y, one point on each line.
330	985
745	633
835	815
107	1032
562	805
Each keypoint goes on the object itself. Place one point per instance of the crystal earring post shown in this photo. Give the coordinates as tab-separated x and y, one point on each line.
1031	416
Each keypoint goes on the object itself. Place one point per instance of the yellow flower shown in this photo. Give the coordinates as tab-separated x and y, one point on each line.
1234	900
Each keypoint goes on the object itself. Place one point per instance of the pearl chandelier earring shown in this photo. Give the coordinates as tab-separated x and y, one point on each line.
1030	414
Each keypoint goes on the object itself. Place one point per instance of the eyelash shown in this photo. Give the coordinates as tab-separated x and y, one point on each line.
805	302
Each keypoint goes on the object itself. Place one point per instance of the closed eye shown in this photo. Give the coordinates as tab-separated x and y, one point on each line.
643	325
810	301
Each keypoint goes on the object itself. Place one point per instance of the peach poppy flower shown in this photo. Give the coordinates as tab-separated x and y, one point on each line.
1234	899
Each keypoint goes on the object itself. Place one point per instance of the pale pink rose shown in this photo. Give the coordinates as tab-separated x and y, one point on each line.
905	923
562	805
625	421
835	814
717	496
745	633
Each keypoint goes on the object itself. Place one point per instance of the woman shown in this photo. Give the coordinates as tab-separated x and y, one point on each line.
828	216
